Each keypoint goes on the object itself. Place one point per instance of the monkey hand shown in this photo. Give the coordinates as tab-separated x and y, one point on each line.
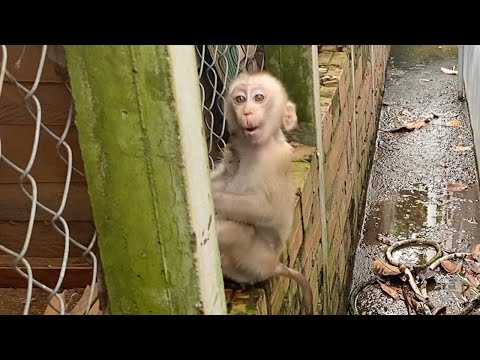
244	208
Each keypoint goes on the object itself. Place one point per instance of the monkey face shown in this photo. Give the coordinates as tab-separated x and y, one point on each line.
250	106
258	108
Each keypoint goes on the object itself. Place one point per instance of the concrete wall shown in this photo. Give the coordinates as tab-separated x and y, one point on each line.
471	74
350	102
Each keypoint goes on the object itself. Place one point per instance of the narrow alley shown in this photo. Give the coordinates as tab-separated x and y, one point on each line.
423	185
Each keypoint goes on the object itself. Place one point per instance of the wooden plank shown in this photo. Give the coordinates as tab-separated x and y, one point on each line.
15	206
45	241
29	64
46	271
17	142
54	99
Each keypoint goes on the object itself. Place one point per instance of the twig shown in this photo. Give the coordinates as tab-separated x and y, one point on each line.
416	290
434	265
412	283
423	289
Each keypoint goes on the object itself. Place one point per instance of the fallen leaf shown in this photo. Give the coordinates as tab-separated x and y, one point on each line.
382	268
81	306
95	309
54	304
451	267
416	124
453	186
410	302
426	80
453	123
475	268
448	71
462	148
472	279
394	293
410	126
386	239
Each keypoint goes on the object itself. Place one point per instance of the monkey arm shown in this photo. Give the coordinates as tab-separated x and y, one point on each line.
217	177
245	208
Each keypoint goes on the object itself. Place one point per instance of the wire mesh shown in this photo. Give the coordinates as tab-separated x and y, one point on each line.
218	65
20	261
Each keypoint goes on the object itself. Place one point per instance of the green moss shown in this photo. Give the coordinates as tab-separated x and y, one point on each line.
292	64
130	145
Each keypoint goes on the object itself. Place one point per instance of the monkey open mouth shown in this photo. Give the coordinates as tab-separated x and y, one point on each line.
250	129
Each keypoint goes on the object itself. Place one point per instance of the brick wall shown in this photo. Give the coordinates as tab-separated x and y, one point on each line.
350	105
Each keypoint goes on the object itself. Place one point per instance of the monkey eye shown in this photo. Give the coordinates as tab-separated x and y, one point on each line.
259	98
239	99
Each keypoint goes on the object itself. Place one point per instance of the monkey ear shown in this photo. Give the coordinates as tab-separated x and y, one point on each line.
290	117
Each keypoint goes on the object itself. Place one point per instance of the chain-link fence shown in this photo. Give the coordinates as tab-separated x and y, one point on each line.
32	189
218	65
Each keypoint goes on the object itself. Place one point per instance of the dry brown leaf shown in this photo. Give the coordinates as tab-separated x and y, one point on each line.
448	71
54	304
410	126
415	124
475	268
95	309
453	186
81	306
462	148
393	292
382	268
472	279
451	267
453	123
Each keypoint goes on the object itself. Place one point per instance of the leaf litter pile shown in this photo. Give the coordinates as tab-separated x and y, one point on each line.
408	282
79	307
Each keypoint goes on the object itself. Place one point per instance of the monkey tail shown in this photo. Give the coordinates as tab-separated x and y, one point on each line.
302	281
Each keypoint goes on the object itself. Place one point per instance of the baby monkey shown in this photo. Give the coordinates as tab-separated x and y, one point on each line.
253	193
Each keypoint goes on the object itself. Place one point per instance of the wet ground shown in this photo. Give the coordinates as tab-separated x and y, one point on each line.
409	196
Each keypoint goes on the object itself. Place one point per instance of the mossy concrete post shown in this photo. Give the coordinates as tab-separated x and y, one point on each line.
138	114
297	67
292	64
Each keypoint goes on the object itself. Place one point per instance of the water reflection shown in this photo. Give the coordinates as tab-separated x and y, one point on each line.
451	217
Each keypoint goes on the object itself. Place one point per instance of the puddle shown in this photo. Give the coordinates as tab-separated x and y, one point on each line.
418	255
407	196
409	56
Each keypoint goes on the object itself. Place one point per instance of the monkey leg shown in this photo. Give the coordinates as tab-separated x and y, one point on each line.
245	257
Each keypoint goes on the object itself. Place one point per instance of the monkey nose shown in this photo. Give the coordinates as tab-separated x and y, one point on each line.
247	112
